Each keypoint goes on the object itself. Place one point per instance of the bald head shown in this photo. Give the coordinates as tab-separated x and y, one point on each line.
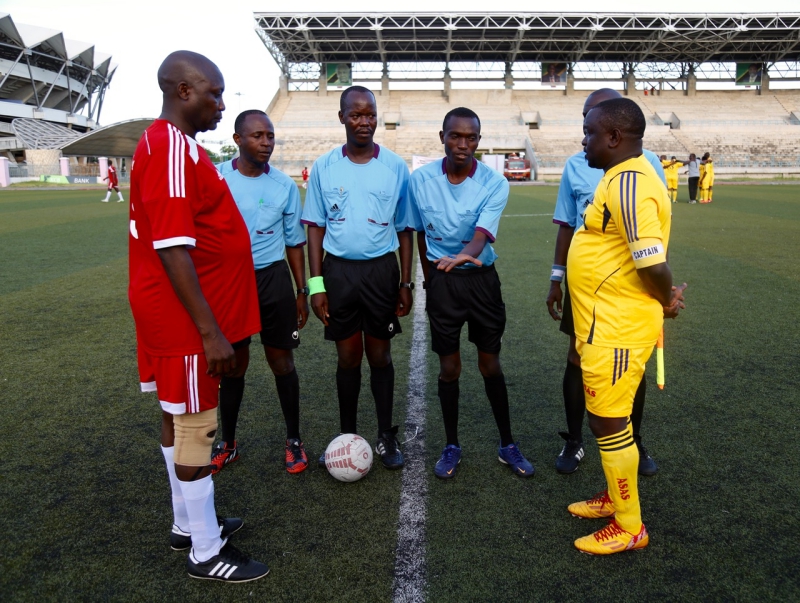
185	66
598	96
192	88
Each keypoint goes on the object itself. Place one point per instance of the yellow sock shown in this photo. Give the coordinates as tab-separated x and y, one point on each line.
674	194
620	459
710	192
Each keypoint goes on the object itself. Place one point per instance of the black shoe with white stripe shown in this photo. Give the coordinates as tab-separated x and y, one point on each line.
180	540
230	565
571	454
389	449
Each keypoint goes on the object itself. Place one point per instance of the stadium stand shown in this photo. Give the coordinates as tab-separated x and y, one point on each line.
657	59
744	130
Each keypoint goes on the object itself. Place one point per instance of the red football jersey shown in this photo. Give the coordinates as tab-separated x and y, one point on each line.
112	175
179	198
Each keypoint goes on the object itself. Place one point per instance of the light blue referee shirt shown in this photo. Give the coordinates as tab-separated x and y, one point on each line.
578	183
270	206
451	213
361	206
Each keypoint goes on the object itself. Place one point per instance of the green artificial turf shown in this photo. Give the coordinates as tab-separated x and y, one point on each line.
85	501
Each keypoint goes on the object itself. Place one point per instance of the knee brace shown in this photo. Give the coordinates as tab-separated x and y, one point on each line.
194	436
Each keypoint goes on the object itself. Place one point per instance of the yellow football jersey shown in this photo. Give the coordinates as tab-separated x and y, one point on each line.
626	227
671	171
709	172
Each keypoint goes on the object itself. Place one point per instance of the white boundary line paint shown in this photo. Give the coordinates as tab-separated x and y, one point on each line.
410	566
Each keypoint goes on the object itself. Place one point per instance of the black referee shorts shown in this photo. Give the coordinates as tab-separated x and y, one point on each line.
362	296
470	295
567	323
278	306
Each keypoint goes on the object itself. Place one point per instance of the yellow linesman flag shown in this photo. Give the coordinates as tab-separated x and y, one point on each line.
660	359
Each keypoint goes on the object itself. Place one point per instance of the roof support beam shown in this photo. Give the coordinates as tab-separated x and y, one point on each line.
33	82
53	85
21	54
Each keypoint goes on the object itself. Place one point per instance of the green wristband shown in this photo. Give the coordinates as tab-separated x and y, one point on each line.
315	285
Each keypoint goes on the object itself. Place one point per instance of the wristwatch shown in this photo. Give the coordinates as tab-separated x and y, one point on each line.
304	290
407	285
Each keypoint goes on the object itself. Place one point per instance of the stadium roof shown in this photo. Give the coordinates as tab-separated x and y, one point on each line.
40	134
43	70
508	37
116	140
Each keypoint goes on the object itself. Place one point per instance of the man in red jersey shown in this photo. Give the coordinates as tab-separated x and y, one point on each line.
113	183
192	293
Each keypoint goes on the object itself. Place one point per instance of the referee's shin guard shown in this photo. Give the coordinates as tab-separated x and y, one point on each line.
620	459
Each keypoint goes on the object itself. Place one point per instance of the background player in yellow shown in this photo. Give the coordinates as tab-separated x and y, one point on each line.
621	287
706	179
671	168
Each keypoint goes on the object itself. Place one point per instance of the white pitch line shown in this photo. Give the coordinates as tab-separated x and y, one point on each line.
524	215
410	568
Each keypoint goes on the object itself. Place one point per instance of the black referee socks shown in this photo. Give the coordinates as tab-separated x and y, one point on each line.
231	391
348	386
498	397
381	381
449	393
574	401
288	387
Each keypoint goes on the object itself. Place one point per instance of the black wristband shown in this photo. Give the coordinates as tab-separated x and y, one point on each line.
304	290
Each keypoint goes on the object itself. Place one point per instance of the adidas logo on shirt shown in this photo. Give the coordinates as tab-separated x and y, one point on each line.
335	208
430	227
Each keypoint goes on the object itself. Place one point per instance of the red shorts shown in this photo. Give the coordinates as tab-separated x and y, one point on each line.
112	185
181	382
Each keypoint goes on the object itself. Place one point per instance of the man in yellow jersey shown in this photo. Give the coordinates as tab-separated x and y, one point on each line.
621	287
706	179
671	168
702	176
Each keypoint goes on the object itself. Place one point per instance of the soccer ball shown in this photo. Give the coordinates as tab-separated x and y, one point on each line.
348	457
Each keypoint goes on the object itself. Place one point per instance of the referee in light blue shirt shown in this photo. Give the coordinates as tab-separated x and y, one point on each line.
457	206
270	205
357	211
575	194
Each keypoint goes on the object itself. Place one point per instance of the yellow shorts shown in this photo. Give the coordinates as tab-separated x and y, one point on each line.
672	183
611	377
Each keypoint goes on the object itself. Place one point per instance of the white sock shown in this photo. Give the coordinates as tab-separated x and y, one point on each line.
180	518
108	194
119	194
199	497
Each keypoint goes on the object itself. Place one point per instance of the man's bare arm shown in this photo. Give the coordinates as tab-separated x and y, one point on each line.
405	299
319	301
297	264
555	296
